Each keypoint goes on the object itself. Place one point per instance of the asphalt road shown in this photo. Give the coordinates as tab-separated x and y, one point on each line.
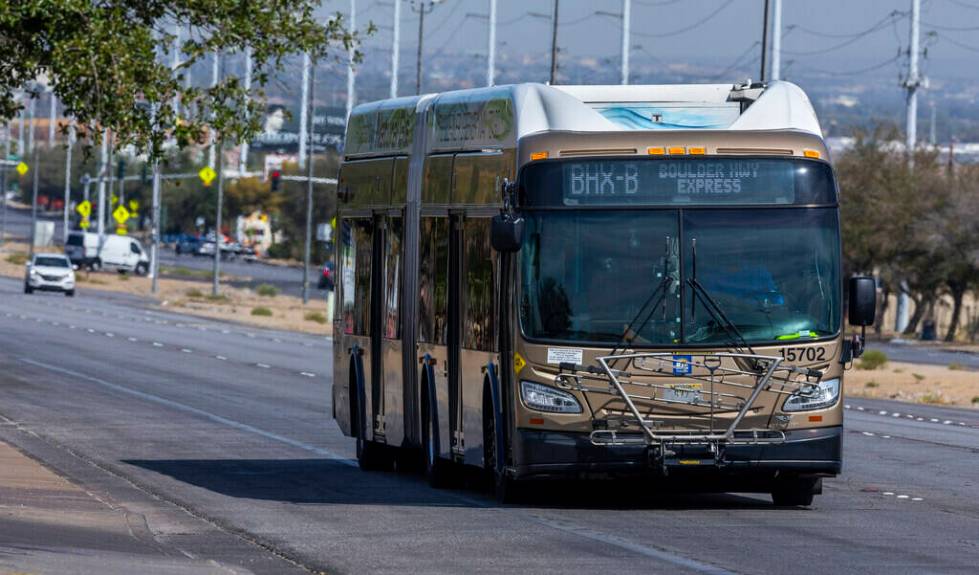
920	353
219	438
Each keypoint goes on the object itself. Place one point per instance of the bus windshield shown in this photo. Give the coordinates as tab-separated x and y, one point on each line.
588	275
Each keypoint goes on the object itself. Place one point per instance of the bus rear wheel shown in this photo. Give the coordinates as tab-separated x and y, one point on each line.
372	456
437	470
796	491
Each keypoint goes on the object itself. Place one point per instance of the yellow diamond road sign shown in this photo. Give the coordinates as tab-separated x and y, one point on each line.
84	223
22	168
84	208
121	214
207	175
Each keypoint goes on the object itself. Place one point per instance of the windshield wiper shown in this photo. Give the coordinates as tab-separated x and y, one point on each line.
698	291
630	334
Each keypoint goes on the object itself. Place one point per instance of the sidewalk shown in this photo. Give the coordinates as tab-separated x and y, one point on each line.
49	525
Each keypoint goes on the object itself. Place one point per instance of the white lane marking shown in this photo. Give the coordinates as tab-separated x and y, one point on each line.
132	339
109	334
55	323
307	374
868	433
276	340
186	350
917	499
224	331
250	334
920	419
90	330
645	550
847	406
962	423
157	344
329	454
860	408
888	493
909	416
881	412
886	436
895	414
903	497
221	357
933	420
71	327
263	365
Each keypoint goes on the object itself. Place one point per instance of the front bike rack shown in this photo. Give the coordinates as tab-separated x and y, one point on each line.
697	376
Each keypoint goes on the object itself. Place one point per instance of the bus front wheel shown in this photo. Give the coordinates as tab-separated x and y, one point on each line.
505	488
796	491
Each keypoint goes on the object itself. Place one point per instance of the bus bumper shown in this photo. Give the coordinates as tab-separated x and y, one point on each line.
809	452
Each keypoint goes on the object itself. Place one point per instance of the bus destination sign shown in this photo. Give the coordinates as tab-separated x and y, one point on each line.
695	181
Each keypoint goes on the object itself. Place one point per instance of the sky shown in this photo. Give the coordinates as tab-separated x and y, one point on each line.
841	38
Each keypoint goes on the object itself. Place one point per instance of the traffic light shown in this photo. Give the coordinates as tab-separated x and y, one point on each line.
275	177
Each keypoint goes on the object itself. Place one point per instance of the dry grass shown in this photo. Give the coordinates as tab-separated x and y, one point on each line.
933	384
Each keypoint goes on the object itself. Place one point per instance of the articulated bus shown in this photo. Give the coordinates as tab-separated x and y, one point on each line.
578	281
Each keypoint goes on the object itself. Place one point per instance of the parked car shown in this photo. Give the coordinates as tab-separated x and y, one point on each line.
50	272
121	253
326	277
188	245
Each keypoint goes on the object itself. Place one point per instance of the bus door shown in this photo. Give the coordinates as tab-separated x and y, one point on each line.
356	266
373	386
455	333
391	405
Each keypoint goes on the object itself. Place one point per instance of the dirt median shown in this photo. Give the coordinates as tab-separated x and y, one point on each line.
916	383
191	297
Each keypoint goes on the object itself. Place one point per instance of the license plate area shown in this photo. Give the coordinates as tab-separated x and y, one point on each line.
689	393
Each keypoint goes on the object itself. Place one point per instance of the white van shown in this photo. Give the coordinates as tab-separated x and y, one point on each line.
122	253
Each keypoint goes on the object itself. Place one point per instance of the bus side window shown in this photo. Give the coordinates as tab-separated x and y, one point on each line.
479	283
355	266
433	280
392	280
438	180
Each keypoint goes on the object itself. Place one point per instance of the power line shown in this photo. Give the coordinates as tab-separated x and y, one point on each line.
896	15
737	61
962	45
877	66
880	25
696	24
964	4
951	28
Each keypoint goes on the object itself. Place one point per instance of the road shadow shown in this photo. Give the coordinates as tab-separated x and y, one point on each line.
325	481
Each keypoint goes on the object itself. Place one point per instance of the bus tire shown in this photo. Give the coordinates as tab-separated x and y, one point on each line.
372	456
796	491
505	488
437	471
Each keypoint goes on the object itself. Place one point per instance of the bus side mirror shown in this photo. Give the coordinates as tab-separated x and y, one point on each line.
506	233
863	301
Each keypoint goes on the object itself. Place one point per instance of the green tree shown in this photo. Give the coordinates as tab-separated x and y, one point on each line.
103	61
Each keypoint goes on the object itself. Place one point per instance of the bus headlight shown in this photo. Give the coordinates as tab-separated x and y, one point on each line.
824	395
546	398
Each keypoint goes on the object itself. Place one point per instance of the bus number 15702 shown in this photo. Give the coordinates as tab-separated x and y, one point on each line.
803	353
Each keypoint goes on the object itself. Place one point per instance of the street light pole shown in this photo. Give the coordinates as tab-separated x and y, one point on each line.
626	32
307	248
351	94
421	7
491	59
71	144
33	233
215	287
777	40
3	184
243	155
155	233
303	110
395	48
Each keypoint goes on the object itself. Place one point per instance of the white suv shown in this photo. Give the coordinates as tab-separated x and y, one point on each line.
50	272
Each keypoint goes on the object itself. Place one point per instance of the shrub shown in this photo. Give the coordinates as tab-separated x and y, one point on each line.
871	384
17	258
956	366
220	298
316	316
932	398
262	311
267	290
917	376
194	292
872	359
975	400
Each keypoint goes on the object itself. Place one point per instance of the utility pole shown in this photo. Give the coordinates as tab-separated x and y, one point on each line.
491	58
243	150
307	248
52	116
932	136
20	132
554	44
103	168
422	7
215	78
764	41
71	144
351	95
303	110
155	232
175	62
3	184
31	107
395	48
626	32
913	82
777	40
215	287
33	233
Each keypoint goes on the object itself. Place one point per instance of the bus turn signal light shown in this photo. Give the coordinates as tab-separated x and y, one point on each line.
677	150
811	154
538	155
697	150
656	151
